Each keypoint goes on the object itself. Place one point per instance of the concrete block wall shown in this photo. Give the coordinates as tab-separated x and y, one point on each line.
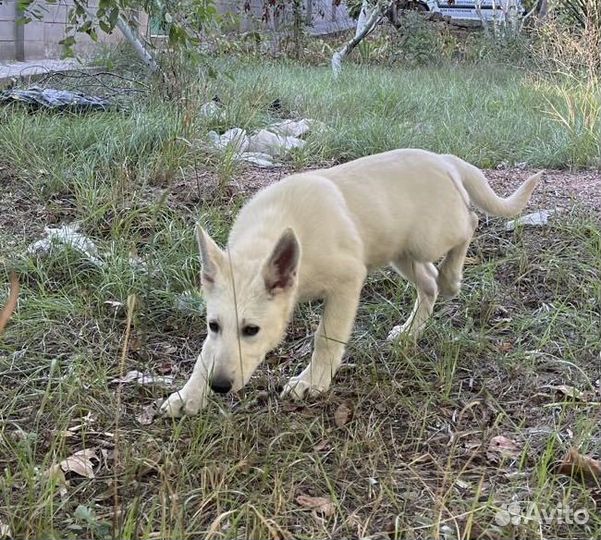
8	15
40	39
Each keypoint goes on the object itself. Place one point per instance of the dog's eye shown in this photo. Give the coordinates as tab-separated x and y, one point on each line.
250	330
214	326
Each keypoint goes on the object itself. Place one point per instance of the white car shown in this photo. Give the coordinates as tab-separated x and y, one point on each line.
465	10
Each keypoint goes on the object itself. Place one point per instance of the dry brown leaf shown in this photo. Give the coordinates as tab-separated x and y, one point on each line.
343	415
505	346
148	414
502	447
322	446
580	466
321	505
79	463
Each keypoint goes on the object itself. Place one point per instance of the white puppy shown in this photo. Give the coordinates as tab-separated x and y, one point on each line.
316	235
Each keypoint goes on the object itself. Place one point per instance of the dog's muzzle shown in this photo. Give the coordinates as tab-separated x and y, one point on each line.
220	386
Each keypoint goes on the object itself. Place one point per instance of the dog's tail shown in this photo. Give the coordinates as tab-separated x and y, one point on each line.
483	196
11	303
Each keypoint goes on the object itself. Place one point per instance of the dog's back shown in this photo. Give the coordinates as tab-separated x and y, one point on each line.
379	206
401	201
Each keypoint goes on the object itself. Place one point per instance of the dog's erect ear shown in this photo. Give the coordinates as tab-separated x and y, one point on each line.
281	267
210	256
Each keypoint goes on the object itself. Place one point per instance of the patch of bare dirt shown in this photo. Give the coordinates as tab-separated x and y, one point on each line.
559	190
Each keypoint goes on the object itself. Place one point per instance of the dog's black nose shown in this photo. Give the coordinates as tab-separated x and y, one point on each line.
221	386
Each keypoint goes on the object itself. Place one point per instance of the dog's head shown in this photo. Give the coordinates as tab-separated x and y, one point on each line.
248	306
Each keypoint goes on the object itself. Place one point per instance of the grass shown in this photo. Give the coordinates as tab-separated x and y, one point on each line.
413	461
486	115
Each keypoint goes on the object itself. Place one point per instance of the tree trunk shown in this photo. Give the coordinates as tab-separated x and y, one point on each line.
132	37
368	18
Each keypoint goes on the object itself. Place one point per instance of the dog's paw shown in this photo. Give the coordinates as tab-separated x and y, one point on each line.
298	388
448	288
408	329
181	403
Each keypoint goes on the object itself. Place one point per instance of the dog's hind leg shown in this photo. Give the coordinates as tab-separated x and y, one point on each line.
424	277
330	339
450	270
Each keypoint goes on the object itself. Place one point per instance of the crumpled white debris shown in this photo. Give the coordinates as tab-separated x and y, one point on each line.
259	159
5	531
235	139
67	235
272	144
190	302
539	218
263	146
211	109
292	128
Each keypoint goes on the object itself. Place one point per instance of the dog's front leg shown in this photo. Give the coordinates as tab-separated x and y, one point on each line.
330	340
193	396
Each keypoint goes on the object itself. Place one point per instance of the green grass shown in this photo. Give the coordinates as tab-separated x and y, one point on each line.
412	462
485	115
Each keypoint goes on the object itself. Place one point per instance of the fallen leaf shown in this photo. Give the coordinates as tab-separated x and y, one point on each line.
79	463
144	379
56	474
322	446
568	391
343	415
580	466
505	346
148	414
321	505
502	447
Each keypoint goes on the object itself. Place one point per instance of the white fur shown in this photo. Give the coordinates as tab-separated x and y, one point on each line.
409	208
